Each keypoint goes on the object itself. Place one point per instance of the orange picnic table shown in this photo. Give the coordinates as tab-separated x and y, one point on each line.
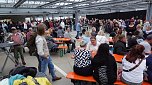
62	39
117	57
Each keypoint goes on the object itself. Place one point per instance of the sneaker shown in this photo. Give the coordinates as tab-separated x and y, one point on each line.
23	63
57	78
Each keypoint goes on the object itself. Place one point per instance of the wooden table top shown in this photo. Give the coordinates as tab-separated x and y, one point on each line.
62	39
117	57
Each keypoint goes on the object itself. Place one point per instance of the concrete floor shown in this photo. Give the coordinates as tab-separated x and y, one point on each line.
64	63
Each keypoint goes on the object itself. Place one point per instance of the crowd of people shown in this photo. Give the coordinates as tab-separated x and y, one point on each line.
131	38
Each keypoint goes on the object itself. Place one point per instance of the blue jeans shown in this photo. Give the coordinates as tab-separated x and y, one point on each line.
78	34
47	63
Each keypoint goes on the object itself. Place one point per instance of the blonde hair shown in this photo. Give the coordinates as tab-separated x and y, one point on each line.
50	30
139	26
87	33
101	33
93	29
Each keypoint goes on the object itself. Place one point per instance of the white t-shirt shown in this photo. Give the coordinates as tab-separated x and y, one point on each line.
91	47
136	75
147	46
102	39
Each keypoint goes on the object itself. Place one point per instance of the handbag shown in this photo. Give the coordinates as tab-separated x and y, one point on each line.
102	73
133	67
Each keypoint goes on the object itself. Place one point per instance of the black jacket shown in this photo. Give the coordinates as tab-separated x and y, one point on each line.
111	65
120	48
134	41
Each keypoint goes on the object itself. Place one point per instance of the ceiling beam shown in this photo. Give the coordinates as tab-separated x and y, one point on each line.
110	3
50	3
75	3
129	6
34	10
19	3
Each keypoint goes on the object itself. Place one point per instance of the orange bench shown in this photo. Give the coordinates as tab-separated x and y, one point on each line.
117	57
59	42
62	49
74	76
62	39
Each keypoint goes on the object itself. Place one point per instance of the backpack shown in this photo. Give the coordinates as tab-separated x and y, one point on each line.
18	38
31	44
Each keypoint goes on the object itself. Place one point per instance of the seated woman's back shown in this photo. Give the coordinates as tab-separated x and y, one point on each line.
82	61
104	65
134	65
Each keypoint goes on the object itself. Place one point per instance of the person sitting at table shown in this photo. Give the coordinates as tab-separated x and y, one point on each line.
149	68
120	46
18	39
147	44
86	37
101	38
50	41
93	44
136	39
72	41
60	32
134	64
82	60
93	33
104	66
29	34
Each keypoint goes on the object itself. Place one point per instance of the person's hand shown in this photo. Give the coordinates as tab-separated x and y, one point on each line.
46	55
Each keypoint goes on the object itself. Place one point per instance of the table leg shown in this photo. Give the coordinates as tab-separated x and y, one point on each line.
9	55
4	63
64	49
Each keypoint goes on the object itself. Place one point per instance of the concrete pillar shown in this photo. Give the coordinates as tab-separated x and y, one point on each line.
149	12
52	16
44	18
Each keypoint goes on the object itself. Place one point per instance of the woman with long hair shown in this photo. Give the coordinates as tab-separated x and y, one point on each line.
104	65
134	65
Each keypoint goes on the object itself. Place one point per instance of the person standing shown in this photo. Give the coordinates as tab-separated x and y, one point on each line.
43	52
62	24
78	29
18	39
